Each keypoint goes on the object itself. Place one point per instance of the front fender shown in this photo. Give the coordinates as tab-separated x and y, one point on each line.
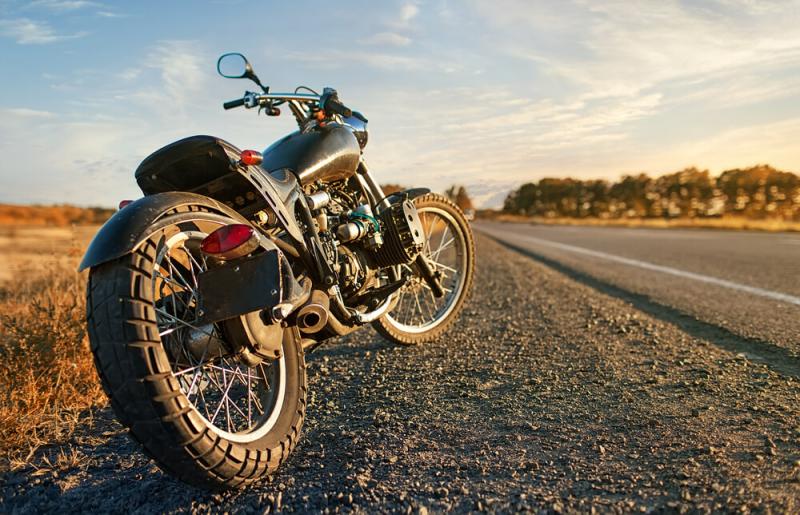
129	226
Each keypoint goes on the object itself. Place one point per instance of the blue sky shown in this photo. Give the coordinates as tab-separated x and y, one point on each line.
484	93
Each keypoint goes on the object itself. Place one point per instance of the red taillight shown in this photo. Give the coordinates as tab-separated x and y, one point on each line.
230	241
123	203
251	157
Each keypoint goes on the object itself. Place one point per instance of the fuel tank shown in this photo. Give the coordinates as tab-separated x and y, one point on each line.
328	154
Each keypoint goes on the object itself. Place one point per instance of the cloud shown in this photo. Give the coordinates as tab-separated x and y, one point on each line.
30	32
180	65
110	14
62	5
335	59
408	11
24	112
386	38
129	73
619	48
403	18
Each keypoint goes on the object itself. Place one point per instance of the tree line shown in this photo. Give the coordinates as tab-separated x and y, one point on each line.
759	192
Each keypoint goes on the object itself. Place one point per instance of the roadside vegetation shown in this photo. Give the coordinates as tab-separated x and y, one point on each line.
47	378
756	197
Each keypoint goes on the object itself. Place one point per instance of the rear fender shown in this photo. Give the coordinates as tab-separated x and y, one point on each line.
131	225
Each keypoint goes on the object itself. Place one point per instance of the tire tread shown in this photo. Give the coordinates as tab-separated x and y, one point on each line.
122	327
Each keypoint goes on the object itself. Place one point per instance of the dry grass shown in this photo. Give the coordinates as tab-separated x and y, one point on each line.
725	223
47	377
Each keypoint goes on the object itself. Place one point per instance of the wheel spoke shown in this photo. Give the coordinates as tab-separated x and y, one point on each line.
216	386
444	267
224	396
249	399
417	309
182	322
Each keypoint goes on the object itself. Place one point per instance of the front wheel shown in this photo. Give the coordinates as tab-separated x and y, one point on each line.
417	315
206	416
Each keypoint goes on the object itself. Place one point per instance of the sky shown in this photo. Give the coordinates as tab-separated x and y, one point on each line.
487	94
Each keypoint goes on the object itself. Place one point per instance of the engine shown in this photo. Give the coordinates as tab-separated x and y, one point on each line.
403	235
395	238
357	244
365	243
356	273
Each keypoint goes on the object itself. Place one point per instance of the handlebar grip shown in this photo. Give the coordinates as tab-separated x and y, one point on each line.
337	107
233	103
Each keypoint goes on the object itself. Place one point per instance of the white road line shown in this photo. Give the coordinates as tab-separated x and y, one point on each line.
774	295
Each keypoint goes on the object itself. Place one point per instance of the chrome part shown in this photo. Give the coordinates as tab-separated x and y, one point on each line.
318	200
364	318
282	311
338	302
359	128
352	231
313	316
365	188
267	218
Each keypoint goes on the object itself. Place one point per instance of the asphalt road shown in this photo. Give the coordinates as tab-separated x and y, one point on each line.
743	288
555	393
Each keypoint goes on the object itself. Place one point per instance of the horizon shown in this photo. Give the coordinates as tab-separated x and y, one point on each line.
485	95
498	207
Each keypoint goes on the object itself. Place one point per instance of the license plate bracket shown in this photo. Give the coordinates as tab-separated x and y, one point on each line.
240	287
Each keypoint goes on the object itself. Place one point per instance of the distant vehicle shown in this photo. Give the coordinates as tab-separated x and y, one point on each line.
469	214
206	294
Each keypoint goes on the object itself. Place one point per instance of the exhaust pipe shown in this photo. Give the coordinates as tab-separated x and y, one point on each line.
313	316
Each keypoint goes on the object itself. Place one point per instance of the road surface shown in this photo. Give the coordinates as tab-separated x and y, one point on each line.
556	392
741	289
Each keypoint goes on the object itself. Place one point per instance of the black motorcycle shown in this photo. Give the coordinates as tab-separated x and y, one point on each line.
205	294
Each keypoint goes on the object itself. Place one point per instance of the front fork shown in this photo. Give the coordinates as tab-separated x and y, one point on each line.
431	277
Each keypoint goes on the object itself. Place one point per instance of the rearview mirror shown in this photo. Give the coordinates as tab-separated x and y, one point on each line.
234	66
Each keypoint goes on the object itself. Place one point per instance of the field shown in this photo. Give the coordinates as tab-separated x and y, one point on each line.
47	378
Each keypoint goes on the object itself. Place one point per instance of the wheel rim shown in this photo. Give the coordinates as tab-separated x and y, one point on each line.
241	403
416	309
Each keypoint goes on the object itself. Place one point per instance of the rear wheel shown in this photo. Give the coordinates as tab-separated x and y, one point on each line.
202	413
417	315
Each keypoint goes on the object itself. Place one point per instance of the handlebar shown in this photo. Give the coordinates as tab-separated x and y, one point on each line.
328	101
233	103
251	99
336	107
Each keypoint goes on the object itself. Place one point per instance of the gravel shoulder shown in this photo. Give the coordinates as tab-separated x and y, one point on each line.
548	395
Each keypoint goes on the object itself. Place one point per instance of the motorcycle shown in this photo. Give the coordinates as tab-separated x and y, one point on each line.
205	295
